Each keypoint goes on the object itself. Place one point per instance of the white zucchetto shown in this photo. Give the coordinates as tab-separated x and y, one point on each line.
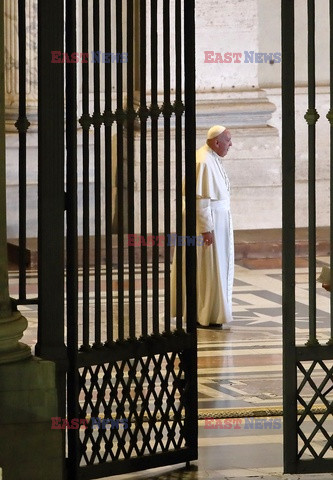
215	131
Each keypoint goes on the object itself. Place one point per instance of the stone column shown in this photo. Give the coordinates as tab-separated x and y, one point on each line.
28	392
27	122
12	324
12	63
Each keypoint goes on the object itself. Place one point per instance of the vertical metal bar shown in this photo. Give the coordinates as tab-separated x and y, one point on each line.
85	122
190	155
288	237
6	308
97	168
311	117
50	334
130	164
330	119
154	110
179	199
120	172
50	182
167	180
143	165
108	176
191	425
22	125
72	240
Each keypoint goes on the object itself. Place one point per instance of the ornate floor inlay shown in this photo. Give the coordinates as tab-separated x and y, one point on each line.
239	377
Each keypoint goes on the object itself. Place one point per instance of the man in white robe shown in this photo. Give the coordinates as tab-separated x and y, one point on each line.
215	258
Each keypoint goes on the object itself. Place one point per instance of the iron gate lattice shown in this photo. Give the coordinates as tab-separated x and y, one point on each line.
314	389
153	398
128	359
124	103
307	376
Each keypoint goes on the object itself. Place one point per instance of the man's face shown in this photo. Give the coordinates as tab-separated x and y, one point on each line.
222	143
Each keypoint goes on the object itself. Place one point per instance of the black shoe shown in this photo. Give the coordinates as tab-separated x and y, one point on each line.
202	326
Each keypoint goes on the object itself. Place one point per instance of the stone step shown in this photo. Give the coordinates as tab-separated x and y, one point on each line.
268	243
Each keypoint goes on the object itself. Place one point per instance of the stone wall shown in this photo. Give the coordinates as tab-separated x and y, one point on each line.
269	80
244	96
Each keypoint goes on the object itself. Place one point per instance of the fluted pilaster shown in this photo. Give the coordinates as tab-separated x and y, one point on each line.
12	74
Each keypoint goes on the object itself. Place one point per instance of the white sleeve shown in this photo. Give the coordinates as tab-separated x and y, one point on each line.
204	215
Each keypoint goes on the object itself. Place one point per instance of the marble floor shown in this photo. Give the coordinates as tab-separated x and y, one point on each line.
239	376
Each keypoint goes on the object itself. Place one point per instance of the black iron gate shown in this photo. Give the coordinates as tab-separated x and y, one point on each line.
116	133
308	367
132	373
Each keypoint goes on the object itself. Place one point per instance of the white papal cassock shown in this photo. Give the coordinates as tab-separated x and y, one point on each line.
215	263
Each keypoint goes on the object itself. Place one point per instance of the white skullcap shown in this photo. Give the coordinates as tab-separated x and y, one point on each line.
215	131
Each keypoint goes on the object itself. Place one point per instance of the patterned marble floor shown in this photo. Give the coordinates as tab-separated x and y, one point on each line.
238	369
242	368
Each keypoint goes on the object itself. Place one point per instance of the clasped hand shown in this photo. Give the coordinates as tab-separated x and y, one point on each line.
208	238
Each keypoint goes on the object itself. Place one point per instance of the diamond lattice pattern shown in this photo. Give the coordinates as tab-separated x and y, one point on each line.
315	396
147	395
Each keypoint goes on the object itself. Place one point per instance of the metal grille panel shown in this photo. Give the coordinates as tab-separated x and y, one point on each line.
127	358
307	377
149	392
315	396
106	132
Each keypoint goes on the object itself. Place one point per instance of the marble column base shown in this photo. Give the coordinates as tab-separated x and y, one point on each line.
11	331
